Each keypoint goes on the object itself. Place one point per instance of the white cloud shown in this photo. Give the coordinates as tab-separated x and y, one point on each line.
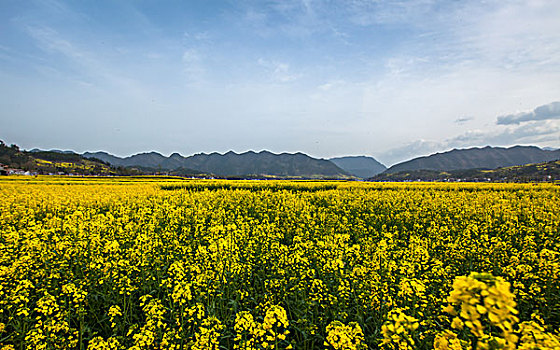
548	111
529	133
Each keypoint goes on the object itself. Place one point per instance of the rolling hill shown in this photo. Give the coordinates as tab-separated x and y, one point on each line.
57	162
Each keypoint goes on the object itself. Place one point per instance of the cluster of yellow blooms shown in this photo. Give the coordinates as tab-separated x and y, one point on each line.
398	329
345	337
481	296
483	310
163	263
270	334
208	334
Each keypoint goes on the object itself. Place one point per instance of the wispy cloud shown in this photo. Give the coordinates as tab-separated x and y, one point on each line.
197	36
295	19
86	66
51	41
330	85
193	66
509	35
367	12
279	71
545	112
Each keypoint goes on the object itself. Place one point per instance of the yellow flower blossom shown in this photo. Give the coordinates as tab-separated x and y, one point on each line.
345	337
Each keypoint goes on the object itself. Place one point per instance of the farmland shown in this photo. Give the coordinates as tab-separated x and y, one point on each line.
163	263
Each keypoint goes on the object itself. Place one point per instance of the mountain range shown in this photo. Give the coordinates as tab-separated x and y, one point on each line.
287	165
545	171
478	158
265	164
231	164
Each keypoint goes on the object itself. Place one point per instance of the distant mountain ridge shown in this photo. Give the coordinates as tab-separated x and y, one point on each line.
298	165
534	172
360	166
478	158
232	164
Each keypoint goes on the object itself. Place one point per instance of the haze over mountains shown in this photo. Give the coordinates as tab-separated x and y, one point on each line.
360	166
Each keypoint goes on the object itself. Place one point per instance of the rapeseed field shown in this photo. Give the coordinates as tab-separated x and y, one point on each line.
158	263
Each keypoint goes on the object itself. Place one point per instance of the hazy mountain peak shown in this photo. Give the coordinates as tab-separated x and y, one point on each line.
361	166
99	152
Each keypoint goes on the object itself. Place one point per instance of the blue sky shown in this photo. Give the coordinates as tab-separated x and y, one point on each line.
390	79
